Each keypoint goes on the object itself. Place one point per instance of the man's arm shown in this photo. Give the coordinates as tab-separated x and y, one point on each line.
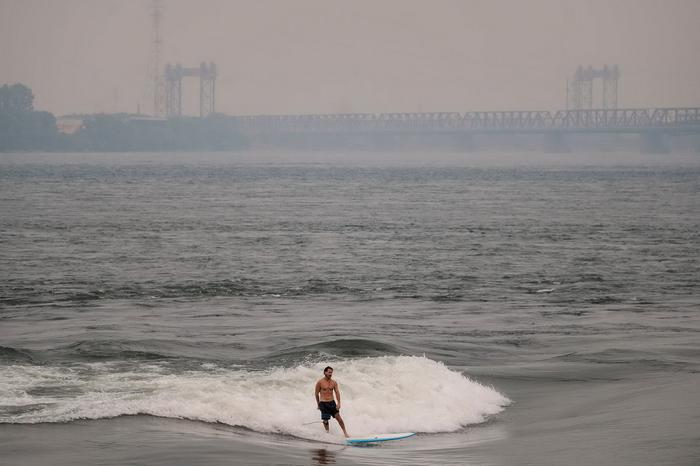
336	389
317	390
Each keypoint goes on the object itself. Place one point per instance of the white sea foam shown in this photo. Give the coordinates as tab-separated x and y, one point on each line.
384	394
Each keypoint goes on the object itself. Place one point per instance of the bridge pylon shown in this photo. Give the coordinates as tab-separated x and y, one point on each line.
174	75
580	91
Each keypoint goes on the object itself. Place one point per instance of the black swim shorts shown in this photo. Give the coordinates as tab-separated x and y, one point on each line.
328	409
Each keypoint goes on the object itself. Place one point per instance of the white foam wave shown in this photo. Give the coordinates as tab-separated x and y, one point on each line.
384	394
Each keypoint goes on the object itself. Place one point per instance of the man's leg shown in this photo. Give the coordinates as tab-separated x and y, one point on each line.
342	424
325	425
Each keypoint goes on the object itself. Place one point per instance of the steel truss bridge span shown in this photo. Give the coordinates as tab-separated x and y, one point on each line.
632	120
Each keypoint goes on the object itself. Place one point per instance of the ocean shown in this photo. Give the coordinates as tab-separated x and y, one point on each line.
509	308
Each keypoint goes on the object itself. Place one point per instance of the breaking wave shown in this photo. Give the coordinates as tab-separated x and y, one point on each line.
379	394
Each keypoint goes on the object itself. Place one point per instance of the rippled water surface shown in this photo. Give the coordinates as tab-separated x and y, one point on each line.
510	309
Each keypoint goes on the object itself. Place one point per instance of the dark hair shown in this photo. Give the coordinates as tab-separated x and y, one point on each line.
327	367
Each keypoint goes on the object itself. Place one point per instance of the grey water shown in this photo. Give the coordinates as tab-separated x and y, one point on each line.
145	299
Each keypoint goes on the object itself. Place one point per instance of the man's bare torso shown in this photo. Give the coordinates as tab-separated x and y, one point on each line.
326	389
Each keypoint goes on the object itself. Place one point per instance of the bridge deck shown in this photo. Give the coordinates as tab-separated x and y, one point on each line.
685	119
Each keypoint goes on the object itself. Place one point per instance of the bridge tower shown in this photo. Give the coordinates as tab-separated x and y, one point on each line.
582	88
610	76
174	75
173	90
580	94
207	89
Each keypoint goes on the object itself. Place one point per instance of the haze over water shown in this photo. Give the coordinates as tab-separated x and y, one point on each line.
177	308
320	56
510	308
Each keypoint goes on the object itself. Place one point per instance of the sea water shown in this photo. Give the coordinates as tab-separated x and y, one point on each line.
509	308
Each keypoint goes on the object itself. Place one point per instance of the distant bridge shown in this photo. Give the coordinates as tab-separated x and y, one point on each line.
633	120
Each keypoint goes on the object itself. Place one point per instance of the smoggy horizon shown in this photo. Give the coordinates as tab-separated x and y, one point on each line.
313	56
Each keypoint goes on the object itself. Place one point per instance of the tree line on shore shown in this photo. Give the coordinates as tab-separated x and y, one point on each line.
22	128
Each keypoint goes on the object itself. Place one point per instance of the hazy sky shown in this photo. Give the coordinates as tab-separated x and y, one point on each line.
327	56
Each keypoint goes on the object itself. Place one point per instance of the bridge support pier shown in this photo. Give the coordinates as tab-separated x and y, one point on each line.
464	142
692	142
654	142
555	143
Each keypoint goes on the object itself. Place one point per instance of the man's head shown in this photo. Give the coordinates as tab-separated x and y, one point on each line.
328	372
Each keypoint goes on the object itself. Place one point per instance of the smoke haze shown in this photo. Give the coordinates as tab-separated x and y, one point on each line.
313	56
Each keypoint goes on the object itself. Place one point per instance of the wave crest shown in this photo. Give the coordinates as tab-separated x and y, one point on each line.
382	394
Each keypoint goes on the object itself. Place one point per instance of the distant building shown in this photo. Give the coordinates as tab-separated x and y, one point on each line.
147	119
69	124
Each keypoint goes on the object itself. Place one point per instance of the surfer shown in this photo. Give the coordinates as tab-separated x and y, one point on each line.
325	388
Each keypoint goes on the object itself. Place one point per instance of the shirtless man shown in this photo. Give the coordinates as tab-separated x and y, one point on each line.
325	388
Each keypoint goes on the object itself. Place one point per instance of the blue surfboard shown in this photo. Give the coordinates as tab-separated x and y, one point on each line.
378	438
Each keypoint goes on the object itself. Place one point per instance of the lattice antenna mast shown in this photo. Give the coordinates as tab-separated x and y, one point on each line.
156	50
